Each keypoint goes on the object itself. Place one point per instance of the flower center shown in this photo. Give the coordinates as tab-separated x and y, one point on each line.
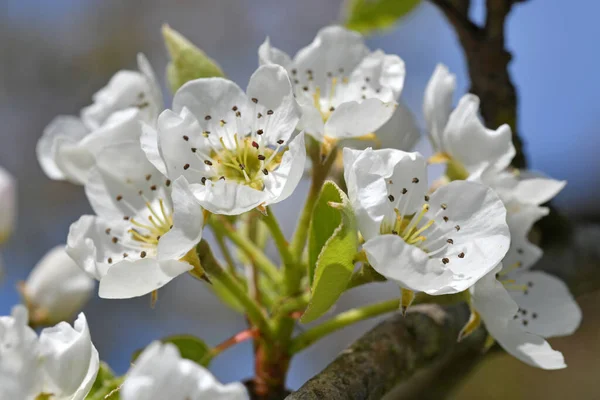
160	221
248	162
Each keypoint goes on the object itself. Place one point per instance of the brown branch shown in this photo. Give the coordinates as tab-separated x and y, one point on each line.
418	356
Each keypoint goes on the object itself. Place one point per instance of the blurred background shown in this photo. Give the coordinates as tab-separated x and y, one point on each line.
55	54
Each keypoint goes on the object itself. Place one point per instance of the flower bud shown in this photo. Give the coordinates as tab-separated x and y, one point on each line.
56	288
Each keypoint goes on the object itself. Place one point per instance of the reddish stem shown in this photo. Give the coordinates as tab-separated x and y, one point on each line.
235	339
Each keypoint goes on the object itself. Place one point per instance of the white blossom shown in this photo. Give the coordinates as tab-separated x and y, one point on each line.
160	373
56	288
8	208
458	136
69	144
345	90
440	243
235	149
62	362
145	229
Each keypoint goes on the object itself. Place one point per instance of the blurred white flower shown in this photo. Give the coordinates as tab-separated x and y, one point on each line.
345	90
69	145
438	244
160	373
458	136
8	208
56	288
62	363
235	148
145	229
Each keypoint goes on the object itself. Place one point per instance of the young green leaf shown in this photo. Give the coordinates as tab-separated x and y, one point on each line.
190	347
106	385
367	16
332	245
188	62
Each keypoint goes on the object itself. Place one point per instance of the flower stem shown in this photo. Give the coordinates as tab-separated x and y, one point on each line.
226	252
215	271
340	321
279	238
319	174
252	251
232	341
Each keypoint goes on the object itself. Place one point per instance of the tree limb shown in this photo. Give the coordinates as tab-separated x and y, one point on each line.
418	356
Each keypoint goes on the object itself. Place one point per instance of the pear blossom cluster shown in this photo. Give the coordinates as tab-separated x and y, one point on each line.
154	176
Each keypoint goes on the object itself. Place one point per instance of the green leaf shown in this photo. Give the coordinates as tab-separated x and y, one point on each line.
188	62
367	16
190	347
332	245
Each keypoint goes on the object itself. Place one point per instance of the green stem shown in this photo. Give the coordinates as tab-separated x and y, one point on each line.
340	321
215	271
226	253
288	306
279	238
256	254
319	174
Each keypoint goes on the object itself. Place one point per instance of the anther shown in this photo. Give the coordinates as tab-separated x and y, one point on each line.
222	178
426	198
107	231
404	190
208	162
238	113
193	149
520	250
115	240
305	88
270	112
415	180
125	218
255	145
445	218
332	108
186	166
391	198
186	138
259	132
265	171
119	198
148	177
461	255
109	260
259	115
207	118
445	260
261	157
222	122
234	108
294	71
203	180
534	315
450	241
394	232
153	187
254	100
457	227
280	141
125	255
168	182
143	254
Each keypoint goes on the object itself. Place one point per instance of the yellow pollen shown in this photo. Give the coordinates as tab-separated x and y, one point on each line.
161	222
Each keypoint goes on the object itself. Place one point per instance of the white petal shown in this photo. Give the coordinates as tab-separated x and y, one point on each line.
497	309
62	129
71	361
90	244
333	48
76	159
437	103
124	90
20	373
114	185
522	254
537	190
58	286
351	119
546	307
368	174
268	54
271	87
280	184
472	144
8	204
127	279
161	373
381	71
401	131
155	99
228	197
177	135
188	221
311	121
211	100
149	143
